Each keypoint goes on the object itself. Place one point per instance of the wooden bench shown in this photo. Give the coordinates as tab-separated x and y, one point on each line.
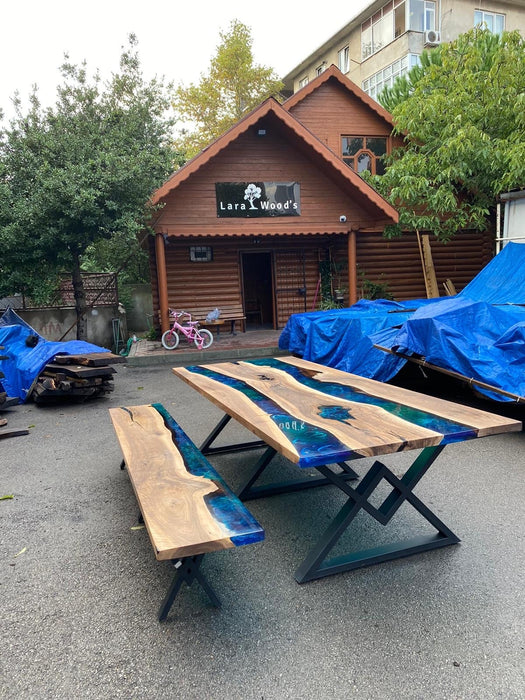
186	506
230	313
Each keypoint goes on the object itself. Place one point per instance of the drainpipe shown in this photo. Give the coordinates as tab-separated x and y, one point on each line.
162	282
352	269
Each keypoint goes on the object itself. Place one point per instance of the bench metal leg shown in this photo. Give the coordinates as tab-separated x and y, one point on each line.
187	570
316	565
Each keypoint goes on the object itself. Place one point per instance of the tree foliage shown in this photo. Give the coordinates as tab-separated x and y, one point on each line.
234	85
462	116
80	172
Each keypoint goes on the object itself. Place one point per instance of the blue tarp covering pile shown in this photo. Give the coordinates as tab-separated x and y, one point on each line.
24	363
479	333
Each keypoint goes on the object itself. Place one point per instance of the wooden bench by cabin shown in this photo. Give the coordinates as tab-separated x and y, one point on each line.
186	506
230	313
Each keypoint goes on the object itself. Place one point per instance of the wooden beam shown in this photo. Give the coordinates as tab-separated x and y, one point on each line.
352	268
429	272
456	375
162	281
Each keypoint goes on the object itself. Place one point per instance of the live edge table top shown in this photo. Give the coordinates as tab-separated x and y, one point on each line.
315	415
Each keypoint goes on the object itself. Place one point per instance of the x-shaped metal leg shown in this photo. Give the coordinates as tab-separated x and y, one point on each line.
249	492
316	565
187	570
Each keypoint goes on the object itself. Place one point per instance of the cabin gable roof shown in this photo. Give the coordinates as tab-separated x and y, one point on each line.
333	74
330	163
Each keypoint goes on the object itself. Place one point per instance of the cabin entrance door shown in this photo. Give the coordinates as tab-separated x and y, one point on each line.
257	275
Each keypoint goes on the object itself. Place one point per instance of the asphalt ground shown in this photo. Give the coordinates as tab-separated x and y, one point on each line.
80	586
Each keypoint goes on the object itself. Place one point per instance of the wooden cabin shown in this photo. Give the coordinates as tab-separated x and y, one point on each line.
255	222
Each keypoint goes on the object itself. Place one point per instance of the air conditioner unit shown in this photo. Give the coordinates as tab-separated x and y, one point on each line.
432	38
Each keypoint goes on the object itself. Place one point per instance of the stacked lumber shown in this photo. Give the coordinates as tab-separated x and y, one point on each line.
76	377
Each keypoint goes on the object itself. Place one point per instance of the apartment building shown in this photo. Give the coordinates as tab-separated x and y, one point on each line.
385	40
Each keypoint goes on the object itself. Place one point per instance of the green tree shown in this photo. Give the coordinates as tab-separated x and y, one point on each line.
233	86
462	116
80	172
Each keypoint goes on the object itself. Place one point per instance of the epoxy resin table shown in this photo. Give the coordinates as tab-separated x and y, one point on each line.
321	418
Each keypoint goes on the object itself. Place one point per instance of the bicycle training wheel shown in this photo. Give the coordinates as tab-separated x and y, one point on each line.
170	340
205	336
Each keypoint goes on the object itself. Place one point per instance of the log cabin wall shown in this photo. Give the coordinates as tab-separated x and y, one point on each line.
398	262
295	266
197	286
397	265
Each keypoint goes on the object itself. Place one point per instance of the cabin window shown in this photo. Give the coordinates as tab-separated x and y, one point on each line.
201	253
343	59
365	153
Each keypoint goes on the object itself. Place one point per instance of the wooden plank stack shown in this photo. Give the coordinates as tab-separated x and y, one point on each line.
76	377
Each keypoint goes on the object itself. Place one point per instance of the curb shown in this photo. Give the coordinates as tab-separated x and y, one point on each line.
176	358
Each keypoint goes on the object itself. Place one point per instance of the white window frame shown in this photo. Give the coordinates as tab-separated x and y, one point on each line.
303	82
481	21
386	77
343	59
320	68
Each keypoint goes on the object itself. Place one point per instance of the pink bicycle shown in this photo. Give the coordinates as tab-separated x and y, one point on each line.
202	337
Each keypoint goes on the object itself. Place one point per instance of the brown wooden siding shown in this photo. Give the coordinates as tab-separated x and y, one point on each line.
331	112
191	210
193	286
398	262
197	286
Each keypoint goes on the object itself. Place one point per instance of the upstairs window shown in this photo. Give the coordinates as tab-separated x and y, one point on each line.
303	82
343	59
320	69
393	20
364	153
422	15
386	77
493	21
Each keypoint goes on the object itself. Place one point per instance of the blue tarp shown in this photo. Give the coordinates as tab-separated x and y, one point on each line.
24	363
479	333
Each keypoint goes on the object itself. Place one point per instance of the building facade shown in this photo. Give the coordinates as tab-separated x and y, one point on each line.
261	218
385	40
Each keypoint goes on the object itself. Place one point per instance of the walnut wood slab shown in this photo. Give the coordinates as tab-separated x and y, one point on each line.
317	415
186	506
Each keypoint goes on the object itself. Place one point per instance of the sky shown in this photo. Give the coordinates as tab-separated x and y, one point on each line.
177	38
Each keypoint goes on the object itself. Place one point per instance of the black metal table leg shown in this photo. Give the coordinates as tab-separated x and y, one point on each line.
207	449
249	492
316	564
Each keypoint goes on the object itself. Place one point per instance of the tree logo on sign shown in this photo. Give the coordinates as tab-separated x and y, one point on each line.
252	192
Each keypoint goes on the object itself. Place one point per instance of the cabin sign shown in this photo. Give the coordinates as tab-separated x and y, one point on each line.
257	199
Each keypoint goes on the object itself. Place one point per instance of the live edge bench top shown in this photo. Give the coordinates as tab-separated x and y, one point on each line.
316	415
187	507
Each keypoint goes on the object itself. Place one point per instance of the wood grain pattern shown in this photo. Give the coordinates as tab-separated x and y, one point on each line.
483	422
317	415
241	408
173	501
